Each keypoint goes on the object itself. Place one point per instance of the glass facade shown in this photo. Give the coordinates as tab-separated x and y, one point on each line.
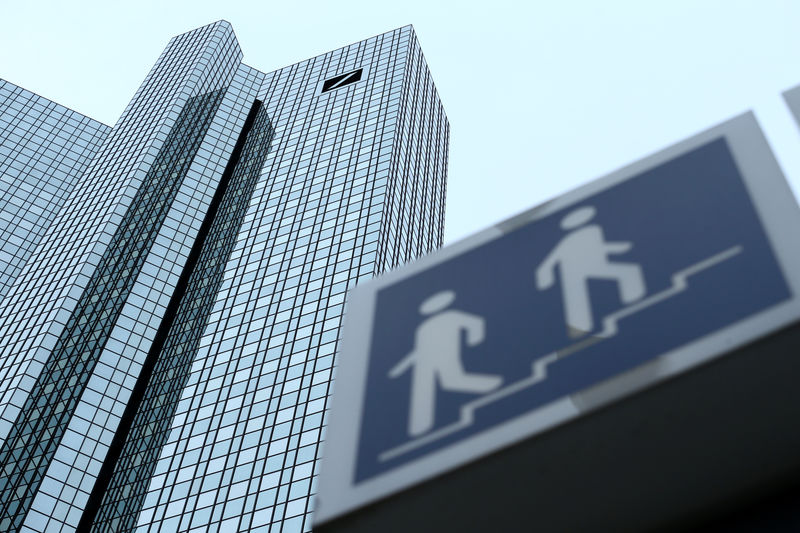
168	344
44	147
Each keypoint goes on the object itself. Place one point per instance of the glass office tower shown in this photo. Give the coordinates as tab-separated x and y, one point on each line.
43	148
168	346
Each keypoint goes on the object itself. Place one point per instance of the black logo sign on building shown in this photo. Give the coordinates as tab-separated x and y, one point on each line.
341	80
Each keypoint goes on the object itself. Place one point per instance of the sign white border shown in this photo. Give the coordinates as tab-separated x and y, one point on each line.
779	214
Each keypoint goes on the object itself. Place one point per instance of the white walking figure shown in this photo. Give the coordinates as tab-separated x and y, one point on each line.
437	356
582	255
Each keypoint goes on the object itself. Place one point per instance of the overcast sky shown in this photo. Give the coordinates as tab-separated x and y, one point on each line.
542	96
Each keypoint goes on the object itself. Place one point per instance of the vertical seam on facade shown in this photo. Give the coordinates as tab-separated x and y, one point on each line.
137	394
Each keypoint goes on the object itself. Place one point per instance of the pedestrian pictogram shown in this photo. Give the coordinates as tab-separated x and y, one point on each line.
583	255
436	359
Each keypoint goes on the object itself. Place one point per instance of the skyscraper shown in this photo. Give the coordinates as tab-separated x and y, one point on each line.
168	341
43	148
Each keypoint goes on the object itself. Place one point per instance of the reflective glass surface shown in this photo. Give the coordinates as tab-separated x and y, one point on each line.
354	185
44	147
146	148
169	330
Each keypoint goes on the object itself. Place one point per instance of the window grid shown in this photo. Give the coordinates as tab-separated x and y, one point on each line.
244	444
228	433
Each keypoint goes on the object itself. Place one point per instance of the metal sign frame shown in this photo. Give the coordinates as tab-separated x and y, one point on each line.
778	211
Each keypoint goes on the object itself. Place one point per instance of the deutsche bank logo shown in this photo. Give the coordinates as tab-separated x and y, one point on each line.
561	304
341	80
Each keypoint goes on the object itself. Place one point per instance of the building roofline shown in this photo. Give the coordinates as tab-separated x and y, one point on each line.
58	104
411	26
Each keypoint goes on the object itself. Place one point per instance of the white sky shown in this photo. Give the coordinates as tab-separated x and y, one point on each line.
542	96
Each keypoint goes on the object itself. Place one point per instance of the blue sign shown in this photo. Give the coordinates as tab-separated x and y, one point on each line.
561	304
628	280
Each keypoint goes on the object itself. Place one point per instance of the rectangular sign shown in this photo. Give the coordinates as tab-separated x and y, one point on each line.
621	283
